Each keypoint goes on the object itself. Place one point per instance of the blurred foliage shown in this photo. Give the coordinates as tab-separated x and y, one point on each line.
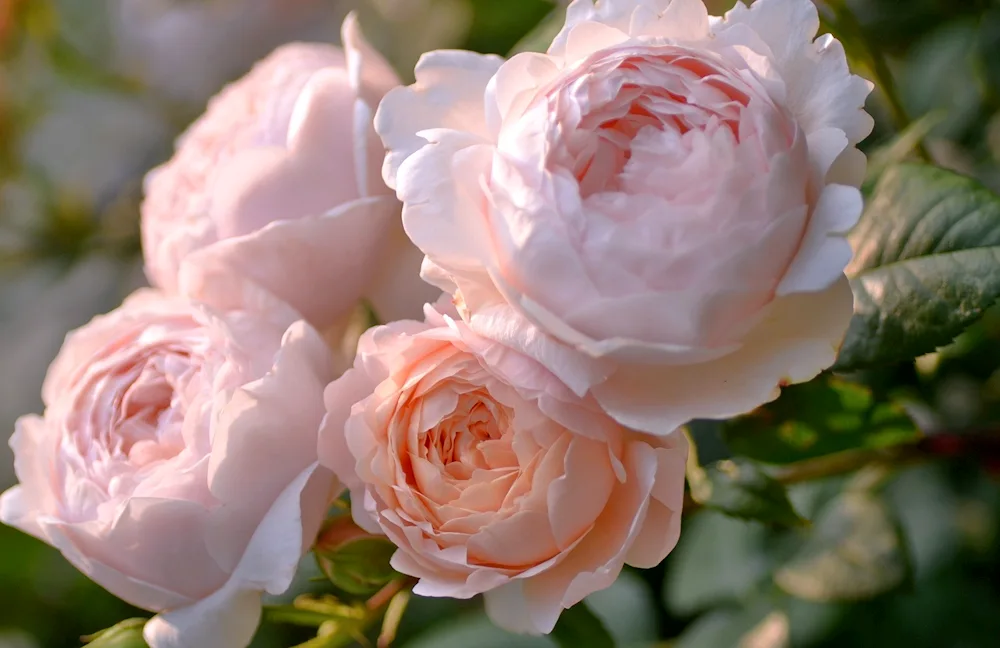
920	545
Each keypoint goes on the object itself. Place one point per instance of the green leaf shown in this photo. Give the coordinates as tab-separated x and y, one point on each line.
739	488
497	26
718	560
127	634
359	566
757	626
821	417
579	627
855	552
926	265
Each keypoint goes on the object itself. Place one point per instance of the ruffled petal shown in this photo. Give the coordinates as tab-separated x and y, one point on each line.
320	265
681	20
824	252
449	93
533	605
289	399
228	617
798	339
821	91
662	527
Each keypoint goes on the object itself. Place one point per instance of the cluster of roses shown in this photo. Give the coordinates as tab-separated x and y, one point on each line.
642	226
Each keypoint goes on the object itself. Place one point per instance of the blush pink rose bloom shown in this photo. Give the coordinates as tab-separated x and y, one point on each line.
664	192
175	463
278	184
492	476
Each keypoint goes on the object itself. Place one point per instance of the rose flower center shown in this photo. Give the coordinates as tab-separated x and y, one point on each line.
645	101
673	195
473	437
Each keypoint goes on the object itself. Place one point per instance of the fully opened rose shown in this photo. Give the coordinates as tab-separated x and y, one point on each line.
175	463
491	475
278	185
664	192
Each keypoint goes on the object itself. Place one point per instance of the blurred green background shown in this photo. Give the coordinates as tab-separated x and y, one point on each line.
92	92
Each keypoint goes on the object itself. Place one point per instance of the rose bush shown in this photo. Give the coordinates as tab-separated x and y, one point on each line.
664	192
491	475
175	463
278	183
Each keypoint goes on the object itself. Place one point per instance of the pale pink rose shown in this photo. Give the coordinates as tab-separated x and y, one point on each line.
664	192
175	463
491	475
278	184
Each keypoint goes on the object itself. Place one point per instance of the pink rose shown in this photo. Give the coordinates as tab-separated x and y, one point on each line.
278	184
492	476
175	463
664	192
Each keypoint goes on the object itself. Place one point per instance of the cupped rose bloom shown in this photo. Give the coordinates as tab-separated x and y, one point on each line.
664	192
491	475
175	463
278	184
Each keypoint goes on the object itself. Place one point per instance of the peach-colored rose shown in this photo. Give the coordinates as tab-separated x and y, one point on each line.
278	183
175	463
491	476
664	192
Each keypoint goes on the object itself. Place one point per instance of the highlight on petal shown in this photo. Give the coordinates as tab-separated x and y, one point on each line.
449	93
824	252
799	338
822	92
680	20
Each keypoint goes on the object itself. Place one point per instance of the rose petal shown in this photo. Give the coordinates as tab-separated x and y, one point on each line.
279	257
799	338
449	93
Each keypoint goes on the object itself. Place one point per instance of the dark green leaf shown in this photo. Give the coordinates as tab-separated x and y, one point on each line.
817	418
854	552
359	566
539	38
127	634
926	265
579	627
497	26
739	488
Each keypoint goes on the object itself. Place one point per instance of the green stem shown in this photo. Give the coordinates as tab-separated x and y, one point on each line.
839	464
336	630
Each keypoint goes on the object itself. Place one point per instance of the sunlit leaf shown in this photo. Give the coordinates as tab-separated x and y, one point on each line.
739	488
127	634
818	418
854	552
926	264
